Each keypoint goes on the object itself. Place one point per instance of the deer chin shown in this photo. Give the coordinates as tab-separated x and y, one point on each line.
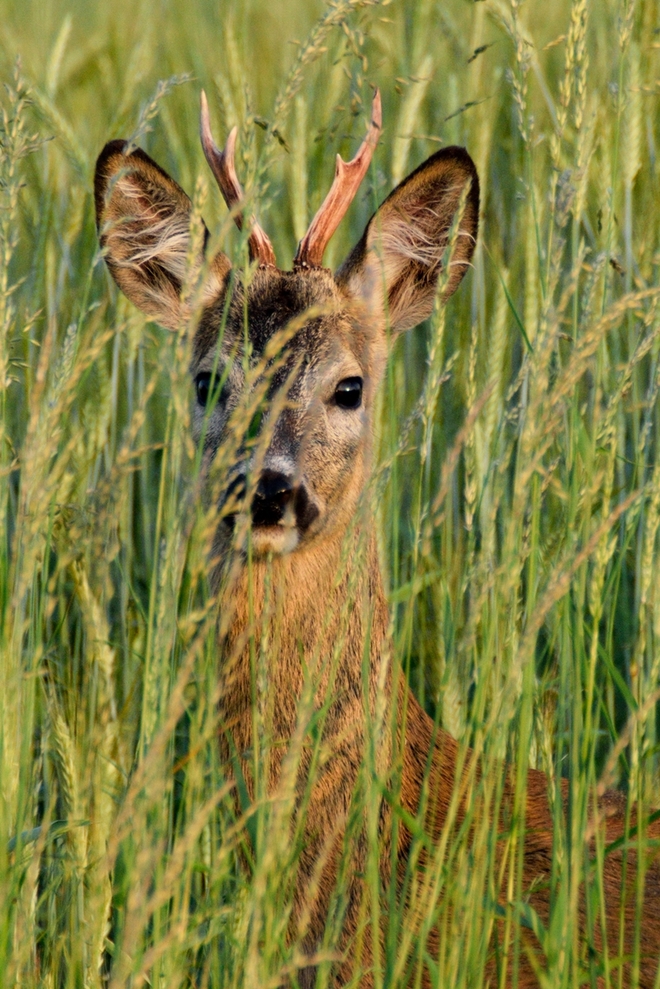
277	539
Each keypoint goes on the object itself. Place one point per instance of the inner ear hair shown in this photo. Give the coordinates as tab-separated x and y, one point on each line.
405	240
144	221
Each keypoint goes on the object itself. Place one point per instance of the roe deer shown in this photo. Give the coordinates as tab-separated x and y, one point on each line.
303	496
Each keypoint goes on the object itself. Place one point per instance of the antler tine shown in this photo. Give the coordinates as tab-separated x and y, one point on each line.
224	170
348	176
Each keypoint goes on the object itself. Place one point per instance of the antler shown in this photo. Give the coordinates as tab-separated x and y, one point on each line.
348	176
222	166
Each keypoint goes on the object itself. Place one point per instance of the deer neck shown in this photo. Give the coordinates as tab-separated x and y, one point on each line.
304	620
320	615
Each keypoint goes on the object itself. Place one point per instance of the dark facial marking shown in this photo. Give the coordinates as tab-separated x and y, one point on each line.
305	510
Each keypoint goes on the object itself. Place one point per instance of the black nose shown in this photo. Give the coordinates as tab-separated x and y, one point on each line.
273	495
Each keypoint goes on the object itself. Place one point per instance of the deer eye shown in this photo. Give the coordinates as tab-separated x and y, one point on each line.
348	393
206	386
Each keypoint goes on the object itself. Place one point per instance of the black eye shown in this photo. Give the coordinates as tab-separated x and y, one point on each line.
206	387
348	393
203	386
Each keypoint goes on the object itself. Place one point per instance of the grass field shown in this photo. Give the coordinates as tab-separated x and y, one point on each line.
524	577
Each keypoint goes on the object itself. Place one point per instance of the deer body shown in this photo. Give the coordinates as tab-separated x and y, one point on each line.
331	801
296	501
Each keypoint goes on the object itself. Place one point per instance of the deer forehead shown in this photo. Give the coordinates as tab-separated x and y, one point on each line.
277	300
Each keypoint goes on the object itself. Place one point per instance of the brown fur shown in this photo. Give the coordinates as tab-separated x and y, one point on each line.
323	612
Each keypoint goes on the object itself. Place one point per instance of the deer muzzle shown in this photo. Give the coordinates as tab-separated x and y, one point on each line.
279	500
280	504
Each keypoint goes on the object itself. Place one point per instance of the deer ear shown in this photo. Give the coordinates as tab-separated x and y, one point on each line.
404	241
144	220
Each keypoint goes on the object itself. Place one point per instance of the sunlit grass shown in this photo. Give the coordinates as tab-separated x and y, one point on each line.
519	494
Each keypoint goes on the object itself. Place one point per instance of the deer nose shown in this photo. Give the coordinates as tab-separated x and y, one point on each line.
272	497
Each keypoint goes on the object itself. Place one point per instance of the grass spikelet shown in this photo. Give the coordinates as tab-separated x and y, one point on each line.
496	353
298	181
577	40
150	109
57	56
631	141
532	274
408	119
471	466
62	753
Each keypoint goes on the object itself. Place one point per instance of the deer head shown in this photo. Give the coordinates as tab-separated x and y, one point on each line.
305	482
